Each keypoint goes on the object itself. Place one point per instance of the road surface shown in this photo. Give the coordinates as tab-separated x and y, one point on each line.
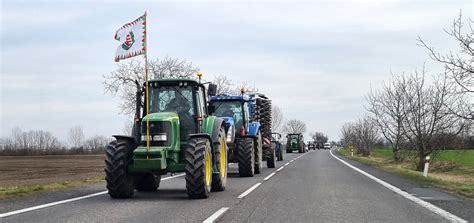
310	187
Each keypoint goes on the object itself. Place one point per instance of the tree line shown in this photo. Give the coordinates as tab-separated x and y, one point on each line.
422	116
40	142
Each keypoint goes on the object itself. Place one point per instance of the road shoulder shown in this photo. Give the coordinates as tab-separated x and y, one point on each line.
453	203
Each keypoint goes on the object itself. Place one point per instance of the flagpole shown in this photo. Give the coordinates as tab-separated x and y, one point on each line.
146	96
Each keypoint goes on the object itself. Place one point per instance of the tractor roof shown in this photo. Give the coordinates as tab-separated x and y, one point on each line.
224	97
173	81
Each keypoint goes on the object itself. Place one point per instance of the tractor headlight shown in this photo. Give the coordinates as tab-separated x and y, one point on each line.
144	138
230	134
160	137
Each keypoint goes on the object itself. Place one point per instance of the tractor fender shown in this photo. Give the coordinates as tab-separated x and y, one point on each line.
218	123
253	128
124	137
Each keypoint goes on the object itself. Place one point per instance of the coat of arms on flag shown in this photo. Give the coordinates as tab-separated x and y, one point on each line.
132	37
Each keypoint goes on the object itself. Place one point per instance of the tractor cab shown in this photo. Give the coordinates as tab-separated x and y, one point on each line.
233	109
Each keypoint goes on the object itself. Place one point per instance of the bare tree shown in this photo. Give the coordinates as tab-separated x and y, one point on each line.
224	84
319	137
347	134
460	66
294	126
277	119
31	142
97	144
388	106
121	81
427	116
76	137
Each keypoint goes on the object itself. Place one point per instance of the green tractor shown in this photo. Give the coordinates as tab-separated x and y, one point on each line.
183	137
295	142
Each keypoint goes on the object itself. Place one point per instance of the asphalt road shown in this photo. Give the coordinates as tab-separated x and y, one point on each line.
314	187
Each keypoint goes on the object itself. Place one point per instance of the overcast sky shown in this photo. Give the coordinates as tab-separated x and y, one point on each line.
315	59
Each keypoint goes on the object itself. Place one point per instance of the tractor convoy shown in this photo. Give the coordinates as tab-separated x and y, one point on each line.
188	128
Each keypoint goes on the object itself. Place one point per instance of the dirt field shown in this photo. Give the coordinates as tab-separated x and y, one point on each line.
34	170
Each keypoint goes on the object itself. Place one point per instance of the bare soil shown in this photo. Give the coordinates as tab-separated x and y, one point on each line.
38	170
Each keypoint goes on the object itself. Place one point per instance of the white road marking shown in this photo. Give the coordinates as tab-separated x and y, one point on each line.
280	168
216	215
3	215
249	190
427	205
269	176
286	164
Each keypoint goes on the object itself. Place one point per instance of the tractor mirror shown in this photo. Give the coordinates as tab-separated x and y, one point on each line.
211	109
212	90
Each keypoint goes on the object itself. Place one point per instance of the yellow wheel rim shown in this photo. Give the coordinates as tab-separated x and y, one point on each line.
207	168
223	159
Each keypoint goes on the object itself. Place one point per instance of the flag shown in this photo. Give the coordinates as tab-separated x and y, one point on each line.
132	37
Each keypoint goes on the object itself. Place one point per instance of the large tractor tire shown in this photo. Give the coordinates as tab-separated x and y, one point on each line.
198	168
119	182
219	180
147	181
246	157
258	153
271	159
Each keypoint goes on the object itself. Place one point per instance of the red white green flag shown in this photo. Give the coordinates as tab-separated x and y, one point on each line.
132	37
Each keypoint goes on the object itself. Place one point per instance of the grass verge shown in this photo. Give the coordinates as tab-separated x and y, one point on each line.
9	192
446	173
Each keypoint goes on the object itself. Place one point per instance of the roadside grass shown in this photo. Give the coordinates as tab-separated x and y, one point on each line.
450	170
8	192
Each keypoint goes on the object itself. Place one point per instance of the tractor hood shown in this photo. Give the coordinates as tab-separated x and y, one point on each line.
161	116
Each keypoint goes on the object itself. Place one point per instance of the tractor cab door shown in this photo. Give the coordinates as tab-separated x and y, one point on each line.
201	107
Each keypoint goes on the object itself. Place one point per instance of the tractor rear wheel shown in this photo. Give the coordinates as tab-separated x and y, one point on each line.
271	159
119	182
258	153
245	157
198	168
219	180
147	181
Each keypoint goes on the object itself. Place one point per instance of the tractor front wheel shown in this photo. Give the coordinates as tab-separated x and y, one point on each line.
219	180
245	157
147	181
119	182
198	168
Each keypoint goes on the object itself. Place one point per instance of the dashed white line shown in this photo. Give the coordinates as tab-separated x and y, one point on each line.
3	215
280	168
249	190
269	176
427	205
216	215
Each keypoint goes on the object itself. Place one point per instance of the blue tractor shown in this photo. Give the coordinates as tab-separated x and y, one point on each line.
249	119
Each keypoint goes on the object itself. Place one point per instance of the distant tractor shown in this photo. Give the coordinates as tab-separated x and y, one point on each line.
295	142
249	143
276	144
183	137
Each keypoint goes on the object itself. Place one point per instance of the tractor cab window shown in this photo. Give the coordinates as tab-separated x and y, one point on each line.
231	109
175	99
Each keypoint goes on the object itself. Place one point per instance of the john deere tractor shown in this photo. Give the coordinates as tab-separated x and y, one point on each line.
295	142
249	141
183	137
